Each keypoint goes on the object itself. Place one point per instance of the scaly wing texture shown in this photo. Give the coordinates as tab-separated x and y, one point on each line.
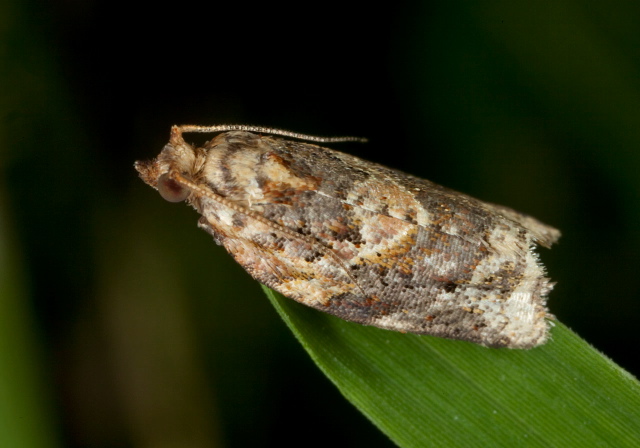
390	250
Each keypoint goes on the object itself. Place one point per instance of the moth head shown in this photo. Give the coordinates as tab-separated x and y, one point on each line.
171	190
170	171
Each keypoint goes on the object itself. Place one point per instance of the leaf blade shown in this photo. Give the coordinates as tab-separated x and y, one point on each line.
423	390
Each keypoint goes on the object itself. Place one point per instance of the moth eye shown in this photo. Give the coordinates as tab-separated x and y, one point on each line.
171	190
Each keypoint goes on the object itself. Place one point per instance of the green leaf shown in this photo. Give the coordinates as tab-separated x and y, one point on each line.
25	407
425	391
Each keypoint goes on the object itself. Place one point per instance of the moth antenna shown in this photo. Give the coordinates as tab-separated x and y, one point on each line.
264	130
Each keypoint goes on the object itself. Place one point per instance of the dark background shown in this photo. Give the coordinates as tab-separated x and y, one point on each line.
135	329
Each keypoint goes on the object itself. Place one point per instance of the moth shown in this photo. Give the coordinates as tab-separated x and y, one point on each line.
361	241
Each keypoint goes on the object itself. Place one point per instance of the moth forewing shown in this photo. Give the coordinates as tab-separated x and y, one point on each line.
361	241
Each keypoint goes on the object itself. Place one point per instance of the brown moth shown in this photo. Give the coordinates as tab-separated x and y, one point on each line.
361	241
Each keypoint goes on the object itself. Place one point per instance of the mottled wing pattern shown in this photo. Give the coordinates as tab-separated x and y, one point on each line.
370	244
